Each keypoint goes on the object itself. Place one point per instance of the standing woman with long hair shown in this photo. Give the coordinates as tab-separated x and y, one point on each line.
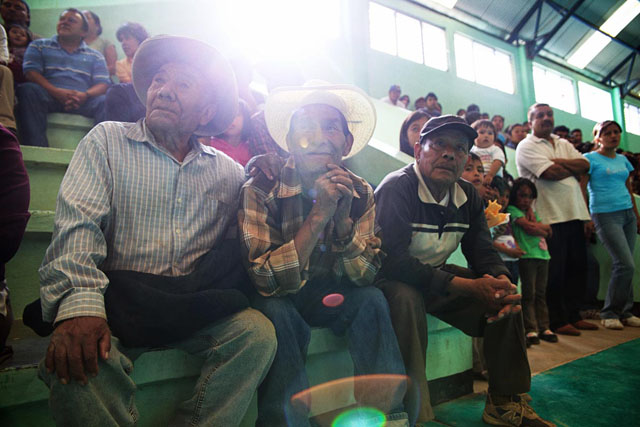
616	219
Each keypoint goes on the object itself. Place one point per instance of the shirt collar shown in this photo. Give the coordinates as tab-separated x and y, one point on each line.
140	132
457	194
82	46
538	139
291	185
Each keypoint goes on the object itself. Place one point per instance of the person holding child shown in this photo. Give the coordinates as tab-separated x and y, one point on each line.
492	157
616	219
19	38
530	235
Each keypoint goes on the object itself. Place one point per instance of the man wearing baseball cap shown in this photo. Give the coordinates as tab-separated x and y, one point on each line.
310	249
145	203
393	96
423	212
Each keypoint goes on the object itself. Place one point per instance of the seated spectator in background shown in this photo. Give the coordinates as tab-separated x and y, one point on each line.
473	107
576	138
461	112
301	248
555	167
19	38
122	103
493	158
142	220
530	234
562	131
498	124
432	105
16	12
526	127
14	214
410	130
130	35
515	134
94	41
64	75
420	103
411	204
404	99
393	97
472	116
484	116
7	91
234	140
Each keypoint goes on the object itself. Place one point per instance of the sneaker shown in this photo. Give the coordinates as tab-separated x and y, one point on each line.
567	329
584	325
612	324
631	321
514	412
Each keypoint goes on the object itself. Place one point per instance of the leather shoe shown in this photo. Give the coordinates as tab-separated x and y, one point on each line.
584	325
567	329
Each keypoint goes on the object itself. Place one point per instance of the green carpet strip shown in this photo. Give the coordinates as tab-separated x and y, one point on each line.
598	390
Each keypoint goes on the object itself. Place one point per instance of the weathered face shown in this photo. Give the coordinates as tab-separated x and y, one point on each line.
610	137
14	11
498	122
178	100
541	120
473	172
485	138
413	133
129	44
317	138
441	158
432	103
18	37
70	25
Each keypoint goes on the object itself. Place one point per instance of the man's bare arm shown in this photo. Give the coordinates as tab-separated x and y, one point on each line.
556	172
575	166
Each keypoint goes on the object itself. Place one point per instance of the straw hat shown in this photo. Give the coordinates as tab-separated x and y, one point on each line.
351	101
156	51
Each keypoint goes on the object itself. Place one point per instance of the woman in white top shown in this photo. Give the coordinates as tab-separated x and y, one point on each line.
94	41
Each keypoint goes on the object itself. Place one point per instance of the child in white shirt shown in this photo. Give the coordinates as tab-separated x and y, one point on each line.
484	147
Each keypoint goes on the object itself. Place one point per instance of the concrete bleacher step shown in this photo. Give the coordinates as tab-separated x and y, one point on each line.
66	130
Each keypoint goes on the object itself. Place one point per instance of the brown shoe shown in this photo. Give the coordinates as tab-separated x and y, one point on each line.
567	329
585	326
513	412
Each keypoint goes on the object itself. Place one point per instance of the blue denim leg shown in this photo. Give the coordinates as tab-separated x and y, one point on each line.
34	103
617	231
237	353
93	108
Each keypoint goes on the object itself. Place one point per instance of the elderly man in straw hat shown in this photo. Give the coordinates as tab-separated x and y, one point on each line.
310	249
139	206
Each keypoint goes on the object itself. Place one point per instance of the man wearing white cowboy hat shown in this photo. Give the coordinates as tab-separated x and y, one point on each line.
144	203
310	249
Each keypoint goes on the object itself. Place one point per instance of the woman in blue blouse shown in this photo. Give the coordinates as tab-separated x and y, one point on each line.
617	221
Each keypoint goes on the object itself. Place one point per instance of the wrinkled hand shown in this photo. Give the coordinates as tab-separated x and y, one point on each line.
75	100
63	96
326	194
74	347
344	184
510	307
269	164
498	294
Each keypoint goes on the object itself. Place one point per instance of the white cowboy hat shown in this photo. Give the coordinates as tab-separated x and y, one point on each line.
156	51
350	100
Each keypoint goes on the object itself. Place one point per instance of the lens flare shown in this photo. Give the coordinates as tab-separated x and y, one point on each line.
333	300
360	417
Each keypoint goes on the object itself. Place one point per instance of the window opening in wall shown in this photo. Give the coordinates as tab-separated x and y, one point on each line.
595	104
554	89
632	118
483	64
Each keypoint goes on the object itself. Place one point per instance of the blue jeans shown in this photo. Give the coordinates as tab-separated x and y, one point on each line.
34	103
236	352
617	231
363	317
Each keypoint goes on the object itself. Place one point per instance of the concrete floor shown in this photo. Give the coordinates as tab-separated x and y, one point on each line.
547	355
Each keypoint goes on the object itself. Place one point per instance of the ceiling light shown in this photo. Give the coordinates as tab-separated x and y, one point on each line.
621	17
588	50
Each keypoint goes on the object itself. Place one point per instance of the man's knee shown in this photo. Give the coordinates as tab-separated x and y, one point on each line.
260	331
29	89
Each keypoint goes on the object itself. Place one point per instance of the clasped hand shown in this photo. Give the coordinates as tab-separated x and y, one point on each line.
499	295
334	194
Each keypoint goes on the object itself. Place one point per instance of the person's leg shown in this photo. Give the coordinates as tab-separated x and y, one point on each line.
616	231
7	98
528	280
93	108
106	400
556	283
542	275
237	353
409	319
576	271
287	375
34	103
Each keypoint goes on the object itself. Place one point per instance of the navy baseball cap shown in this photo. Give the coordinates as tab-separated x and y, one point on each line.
448	122
395	87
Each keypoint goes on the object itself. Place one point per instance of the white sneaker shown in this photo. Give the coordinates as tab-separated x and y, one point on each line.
613	323
632	321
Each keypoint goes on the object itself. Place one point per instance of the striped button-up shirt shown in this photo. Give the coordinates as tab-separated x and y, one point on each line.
78	70
126	204
270	216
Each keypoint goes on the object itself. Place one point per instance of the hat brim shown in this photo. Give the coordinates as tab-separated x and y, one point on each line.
351	101
467	130
157	51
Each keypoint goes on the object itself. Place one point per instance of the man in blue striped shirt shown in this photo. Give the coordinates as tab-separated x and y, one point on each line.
147	199
64	75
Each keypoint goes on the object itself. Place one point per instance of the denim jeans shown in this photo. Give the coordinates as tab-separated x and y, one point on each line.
363	316
236	352
617	231
34	103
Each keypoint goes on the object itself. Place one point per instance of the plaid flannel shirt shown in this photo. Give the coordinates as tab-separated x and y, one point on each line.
269	218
